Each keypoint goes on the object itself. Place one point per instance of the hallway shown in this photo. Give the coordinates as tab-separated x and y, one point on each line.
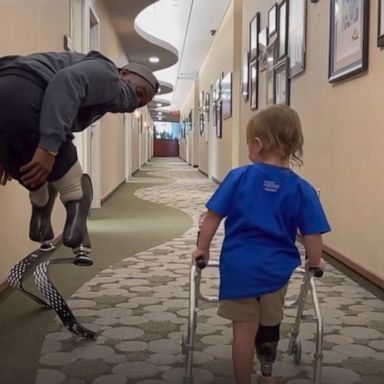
138	303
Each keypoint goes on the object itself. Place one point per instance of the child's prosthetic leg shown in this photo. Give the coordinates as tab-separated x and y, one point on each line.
266	342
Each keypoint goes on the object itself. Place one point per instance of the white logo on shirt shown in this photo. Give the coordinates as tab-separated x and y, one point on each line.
271	186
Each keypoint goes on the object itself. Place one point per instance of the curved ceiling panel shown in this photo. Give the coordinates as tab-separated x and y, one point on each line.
136	47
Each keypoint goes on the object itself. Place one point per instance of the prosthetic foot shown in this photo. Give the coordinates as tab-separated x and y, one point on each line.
75	233
40	228
266	347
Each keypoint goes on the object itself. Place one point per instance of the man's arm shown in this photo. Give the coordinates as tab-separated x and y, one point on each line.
314	249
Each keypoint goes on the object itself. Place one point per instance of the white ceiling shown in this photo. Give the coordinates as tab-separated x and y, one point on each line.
182	30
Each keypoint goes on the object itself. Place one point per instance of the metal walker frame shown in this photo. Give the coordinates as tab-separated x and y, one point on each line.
294	345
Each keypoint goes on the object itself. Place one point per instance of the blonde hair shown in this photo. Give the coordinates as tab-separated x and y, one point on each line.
279	129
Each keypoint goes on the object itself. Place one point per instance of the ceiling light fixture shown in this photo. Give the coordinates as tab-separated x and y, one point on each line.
159	105
154	59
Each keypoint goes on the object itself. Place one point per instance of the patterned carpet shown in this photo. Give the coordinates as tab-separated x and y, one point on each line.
139	308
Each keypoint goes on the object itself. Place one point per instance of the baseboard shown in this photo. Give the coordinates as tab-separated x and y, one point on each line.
216	180
205	174
110	193
4	285
374	279
195	166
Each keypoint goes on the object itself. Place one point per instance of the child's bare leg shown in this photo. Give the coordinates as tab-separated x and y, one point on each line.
243	350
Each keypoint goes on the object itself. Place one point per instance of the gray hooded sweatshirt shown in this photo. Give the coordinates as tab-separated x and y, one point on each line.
79	89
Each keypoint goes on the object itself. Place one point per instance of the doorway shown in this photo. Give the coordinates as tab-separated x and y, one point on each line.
166	143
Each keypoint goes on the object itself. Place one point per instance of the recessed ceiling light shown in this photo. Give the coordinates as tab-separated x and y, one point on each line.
159	105
154	59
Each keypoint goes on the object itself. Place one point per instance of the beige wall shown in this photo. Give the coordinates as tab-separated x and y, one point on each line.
342	126
218	60
26	26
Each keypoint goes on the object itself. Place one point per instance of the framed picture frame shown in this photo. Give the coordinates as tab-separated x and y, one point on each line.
271	55
201	101
348	45
283	14
272	20
297	32
254	84
254	29
281	87
201	123
245	77
219	120
226	95
380	25
207	105
262	47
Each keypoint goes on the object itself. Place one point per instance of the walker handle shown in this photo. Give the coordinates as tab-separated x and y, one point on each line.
200	262
316	272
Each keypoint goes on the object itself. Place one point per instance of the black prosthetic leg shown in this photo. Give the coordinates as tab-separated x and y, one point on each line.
266	342
40	228
75	234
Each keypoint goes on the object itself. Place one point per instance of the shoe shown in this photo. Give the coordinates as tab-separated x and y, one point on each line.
266	379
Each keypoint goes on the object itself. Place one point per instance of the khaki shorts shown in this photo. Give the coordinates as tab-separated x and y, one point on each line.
266	309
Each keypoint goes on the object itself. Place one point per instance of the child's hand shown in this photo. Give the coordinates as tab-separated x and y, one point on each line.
321	264
198	253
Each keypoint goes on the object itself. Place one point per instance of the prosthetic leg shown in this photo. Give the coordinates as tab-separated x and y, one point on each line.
75	236
266	342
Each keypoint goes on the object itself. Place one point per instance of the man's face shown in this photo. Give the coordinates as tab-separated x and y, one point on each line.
144	90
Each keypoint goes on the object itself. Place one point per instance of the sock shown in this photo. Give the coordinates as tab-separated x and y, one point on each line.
40	196
69	186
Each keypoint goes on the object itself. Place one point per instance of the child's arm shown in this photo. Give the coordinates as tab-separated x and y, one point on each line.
314	248
207	230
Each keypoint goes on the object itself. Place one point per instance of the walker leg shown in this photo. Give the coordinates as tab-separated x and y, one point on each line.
188	344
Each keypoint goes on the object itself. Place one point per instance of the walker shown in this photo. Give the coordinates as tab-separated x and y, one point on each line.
294	345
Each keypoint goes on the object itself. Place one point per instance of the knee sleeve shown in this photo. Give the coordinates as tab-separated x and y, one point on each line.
69	186
40	196
266	342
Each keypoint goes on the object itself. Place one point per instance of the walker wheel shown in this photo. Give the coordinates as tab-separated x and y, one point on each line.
296	350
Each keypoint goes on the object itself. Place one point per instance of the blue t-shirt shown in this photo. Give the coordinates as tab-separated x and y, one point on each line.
265	206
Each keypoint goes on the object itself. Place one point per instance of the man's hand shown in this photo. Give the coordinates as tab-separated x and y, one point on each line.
37	170
4	176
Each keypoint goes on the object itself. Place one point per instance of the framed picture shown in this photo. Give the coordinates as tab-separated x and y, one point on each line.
348	48
380	25
201	101
226	95
262	47
283	29
272	20
219	121
254	84
271	52
201	123
207	105
281	88
297	27
254	29
245	77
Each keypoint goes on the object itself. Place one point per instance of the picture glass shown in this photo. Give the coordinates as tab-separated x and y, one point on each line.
297	38
253	76
226	95
245	82
272	17
263	42
380	29
282	29
253	31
